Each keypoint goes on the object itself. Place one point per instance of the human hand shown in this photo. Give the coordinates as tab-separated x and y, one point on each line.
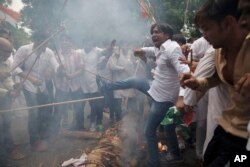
138	52
243	85
180	103
188	80
192	65
36	81
185	50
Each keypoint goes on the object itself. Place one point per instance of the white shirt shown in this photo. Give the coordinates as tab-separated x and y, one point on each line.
205	68
199	47
88	80
72	62
46	60
165	85
121	68
105	71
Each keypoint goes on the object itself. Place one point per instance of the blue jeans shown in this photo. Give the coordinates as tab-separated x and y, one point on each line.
141	84
156	115
39	118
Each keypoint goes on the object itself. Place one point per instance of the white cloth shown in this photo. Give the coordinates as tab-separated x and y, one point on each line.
199	47
165	85
182	91
46	60
72	62
205	68
105	71
120	69
88	78
75	162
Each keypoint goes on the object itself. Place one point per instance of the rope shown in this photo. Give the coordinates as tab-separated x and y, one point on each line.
52	104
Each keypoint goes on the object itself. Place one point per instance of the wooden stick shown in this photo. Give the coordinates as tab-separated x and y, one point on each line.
53	104
81	134
191	59
39	46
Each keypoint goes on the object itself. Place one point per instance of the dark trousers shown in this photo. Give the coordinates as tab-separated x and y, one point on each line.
39	118
96	106
156	115
78	122
6	143
224	147
116	110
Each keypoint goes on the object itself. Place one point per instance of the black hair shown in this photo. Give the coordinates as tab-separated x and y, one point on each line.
164	28
216	10
179	38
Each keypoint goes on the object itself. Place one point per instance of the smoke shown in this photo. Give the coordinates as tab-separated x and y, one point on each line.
104	20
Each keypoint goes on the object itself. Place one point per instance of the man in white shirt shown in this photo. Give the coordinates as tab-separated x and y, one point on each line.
163	91
68	84
89	86
41	63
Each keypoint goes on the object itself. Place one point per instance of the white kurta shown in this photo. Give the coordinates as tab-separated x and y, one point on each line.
120	69
88	80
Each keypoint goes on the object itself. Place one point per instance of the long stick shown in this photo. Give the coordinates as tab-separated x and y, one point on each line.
52	104
191	59
38	47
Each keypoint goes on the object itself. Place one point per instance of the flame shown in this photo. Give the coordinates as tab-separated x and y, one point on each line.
160	146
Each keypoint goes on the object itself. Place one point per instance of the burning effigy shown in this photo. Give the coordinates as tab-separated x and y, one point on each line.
120	145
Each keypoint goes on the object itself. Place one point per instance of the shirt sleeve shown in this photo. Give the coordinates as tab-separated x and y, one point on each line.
53	62
174	59
19	57
113	66
8	85
149	51
182	91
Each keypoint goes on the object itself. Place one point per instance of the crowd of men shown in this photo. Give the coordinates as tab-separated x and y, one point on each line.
210	77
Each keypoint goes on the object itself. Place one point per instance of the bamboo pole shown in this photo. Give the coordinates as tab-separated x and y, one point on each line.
39	46
52	104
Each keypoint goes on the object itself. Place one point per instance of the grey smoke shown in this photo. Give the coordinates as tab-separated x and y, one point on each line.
104	20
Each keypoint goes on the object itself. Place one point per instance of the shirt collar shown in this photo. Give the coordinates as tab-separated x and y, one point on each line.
164	45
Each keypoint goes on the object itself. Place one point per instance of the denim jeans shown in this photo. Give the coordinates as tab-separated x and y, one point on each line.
141	84
78	122
60	110
39	118
156	115
96	115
